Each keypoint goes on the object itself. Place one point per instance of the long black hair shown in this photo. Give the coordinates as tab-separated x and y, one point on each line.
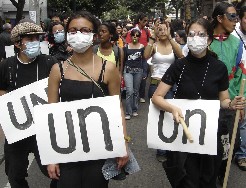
220	9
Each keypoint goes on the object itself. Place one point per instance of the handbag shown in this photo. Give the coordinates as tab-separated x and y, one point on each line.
110	168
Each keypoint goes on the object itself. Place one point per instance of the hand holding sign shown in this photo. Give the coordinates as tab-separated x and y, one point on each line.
186	131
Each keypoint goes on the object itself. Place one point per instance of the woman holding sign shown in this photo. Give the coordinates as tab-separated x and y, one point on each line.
198	76
97	79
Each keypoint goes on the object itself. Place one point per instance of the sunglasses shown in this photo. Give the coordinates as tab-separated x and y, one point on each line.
231	16
136	35
74	30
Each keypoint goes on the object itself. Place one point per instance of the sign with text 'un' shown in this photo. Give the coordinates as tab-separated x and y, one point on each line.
201	117
82	130
16	117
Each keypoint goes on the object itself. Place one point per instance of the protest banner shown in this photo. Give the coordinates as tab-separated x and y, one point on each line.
82	130
16	117
201	117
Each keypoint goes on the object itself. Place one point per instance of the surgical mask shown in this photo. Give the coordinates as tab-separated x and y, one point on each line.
59	37
197	44
80	42
32	49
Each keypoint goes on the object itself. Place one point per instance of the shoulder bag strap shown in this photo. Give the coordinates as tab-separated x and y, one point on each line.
81	71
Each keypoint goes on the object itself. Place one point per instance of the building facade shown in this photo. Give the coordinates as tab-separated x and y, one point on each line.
8	10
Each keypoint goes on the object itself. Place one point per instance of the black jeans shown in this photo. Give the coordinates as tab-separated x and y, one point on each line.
16	161
226	124
84	174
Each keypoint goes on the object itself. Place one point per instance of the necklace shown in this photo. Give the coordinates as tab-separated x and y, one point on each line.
182	72
17	67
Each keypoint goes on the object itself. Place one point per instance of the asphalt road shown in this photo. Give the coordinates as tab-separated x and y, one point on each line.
151	174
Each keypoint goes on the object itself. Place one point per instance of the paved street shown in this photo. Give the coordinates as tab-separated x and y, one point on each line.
151	174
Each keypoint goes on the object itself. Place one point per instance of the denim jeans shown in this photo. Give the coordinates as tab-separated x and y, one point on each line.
169	95
241	152
132	79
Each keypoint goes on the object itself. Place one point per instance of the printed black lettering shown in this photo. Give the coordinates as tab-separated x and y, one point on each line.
70	127
105	127
29	119
37	100
160	128
46	90
203	124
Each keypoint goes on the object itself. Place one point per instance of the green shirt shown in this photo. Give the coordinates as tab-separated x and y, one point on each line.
229	51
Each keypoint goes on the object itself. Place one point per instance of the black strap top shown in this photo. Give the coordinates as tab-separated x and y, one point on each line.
71	90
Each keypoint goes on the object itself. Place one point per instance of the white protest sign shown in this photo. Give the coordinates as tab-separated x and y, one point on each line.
9	51
201	117
16	117
44	47
33	16
87	129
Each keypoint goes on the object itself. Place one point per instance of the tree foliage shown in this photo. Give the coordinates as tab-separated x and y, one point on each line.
94	6
120	13
19	5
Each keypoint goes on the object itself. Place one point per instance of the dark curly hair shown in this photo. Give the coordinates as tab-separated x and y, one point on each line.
87	15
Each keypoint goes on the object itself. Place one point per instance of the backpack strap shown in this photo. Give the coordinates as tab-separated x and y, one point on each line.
95	48
116	54
101	77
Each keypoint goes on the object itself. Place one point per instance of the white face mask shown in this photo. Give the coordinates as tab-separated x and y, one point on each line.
80	42
197	44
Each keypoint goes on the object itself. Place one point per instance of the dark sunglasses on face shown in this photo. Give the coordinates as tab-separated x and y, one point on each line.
232	16
136	35
74	30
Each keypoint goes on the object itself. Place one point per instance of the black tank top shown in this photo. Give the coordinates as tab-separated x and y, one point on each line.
71	90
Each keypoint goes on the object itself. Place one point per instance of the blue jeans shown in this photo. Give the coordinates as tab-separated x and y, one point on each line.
241	153
169	95
132	79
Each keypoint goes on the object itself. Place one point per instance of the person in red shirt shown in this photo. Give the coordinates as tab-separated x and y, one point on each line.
140	23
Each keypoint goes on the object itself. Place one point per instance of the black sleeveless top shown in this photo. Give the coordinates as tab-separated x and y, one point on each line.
71	90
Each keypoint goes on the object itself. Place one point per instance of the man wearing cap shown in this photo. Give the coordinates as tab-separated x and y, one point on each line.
26	67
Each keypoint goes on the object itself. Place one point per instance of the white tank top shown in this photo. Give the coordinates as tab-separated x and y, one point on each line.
161	63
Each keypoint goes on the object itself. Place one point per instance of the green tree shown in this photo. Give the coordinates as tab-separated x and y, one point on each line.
19	5
94	6
120	13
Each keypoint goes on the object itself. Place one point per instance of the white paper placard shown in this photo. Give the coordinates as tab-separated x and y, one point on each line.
60	130
33	16
203	125
16	117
